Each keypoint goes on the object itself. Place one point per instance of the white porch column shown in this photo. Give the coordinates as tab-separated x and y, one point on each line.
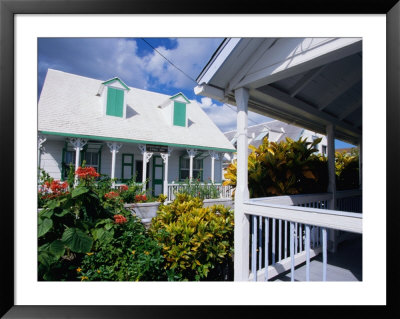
214	156
165	157
78	144
114	148
330	136
146	158
242	224
192	153
40	140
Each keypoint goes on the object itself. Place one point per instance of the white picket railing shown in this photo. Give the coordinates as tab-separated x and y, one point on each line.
286	231
223	191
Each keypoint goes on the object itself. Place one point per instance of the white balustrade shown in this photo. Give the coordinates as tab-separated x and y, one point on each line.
309	219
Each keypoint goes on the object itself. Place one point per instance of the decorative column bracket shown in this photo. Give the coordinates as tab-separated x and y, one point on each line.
114	146
164	156
77	143
191	152
214	155
41	139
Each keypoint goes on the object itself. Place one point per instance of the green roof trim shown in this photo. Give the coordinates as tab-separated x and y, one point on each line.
116	79
124	140
181	94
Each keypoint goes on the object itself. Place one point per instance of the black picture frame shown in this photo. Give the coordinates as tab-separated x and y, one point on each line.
8	10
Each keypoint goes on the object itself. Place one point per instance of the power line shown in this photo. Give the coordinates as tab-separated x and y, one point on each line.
188	76
170	62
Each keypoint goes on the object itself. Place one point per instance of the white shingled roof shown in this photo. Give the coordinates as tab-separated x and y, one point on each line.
69	104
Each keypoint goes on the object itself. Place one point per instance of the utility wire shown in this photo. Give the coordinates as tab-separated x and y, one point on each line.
188	76
170	62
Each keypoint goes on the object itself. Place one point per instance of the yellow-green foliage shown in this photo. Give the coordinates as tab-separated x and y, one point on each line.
284	168
347	170
195	240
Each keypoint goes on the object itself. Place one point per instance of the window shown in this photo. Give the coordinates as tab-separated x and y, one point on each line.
68	159
115	102
179	114
91	158
323	149
185	166
127	167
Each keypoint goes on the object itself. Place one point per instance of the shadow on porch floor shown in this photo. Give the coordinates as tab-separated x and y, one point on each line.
344	265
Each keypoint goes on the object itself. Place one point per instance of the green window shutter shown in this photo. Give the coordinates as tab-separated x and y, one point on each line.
179	114
115	102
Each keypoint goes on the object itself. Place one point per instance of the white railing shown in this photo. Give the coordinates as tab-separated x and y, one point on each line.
220	190
286	231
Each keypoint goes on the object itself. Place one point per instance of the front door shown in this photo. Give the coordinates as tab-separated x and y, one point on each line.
158	174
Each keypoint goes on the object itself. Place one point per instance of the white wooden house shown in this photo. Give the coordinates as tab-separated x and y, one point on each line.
116	128
315	83
275	131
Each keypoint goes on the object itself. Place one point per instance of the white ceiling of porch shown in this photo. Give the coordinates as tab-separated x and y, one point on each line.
309	82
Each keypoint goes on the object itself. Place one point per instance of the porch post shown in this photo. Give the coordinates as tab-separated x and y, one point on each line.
146	158
192	153
330	136
40	140
242	224
78	144
165	157
114	148
214	156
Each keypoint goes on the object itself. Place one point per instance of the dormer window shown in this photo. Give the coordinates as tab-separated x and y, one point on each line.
113	93
175	110
115	102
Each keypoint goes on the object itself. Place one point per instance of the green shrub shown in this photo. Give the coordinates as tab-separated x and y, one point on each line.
197	242
347	170
86	219
122	252
283	168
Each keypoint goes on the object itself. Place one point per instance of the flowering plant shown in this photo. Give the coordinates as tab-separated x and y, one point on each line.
119	219
140	198
111	195
86	172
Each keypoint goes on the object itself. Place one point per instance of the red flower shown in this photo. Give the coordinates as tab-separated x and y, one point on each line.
86	172
111	195
123	188
119	219
140	198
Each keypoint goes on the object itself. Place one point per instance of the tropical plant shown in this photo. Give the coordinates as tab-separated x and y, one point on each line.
347	169
197	242
122	251
284	168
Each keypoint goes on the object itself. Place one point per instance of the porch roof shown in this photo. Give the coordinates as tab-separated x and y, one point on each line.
69	106
308	82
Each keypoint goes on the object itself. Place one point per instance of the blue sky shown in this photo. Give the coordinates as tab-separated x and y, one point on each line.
138	65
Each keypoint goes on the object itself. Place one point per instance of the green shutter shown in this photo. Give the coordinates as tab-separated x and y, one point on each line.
115	102
179	114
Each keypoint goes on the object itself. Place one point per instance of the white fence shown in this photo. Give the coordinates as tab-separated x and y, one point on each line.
286	231
220	190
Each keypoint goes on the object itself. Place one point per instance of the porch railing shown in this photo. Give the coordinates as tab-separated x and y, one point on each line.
223	191
286	231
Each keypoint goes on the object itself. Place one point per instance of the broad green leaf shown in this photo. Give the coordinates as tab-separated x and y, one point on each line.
64	212
79	191
77	240
53	204
46	258
57	248
44	226
46	213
